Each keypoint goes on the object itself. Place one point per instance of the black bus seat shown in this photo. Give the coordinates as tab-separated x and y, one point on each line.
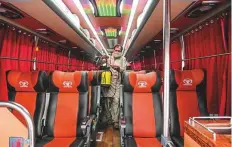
28	89
187	99
94	78
67	110
142	121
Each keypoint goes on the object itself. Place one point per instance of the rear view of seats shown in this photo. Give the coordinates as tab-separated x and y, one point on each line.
28	89
187	99
68	107
94	92
142	110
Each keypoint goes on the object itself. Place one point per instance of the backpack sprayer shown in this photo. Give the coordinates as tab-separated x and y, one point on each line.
106	74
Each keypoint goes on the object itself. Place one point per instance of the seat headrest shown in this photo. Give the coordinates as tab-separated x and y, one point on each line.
94	78
35	81
68	81
188	80
141	83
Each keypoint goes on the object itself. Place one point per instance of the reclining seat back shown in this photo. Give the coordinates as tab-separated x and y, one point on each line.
94	78
142	107
189	100
28	89
68	106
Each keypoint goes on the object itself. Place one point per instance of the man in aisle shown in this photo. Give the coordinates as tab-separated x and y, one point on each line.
117	64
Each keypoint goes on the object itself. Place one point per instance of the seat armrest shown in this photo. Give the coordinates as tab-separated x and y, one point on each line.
121	95
122	130
86	124
123	122
98	96
121	101
98	103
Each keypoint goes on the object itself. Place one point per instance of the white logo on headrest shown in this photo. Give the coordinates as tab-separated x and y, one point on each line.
67	84
188	82
23	83
142	84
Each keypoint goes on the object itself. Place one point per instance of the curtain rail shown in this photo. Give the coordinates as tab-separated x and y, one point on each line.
10	58
18	26
196	58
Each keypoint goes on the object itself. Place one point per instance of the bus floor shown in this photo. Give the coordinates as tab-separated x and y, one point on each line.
110	138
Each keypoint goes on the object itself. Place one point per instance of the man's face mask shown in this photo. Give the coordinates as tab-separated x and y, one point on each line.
117	53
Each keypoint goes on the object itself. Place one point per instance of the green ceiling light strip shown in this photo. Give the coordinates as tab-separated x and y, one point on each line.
106	7
111	32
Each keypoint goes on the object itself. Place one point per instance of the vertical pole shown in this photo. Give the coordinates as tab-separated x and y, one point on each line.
182	51
35	48
34	64
69	55
166	44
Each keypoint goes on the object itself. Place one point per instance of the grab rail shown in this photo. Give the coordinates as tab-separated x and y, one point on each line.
27	117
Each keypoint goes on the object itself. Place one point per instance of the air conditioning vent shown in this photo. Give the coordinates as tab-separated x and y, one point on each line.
202	9
10	12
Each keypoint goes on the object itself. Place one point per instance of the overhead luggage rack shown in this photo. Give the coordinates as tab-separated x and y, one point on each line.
211	130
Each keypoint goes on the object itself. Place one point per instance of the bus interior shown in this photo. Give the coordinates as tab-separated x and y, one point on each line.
175	90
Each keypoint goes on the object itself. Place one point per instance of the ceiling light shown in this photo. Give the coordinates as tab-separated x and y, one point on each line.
102	33
111	32
157	40
210	2
121	7
65	10
120	32
106	7
144	13
80	8
92	8
63	41
132	14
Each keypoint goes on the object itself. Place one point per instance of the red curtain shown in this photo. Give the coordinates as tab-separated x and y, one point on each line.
225	99
42	55
207	41
73	63
159	59
149	62
79	64
52	58
63	59
46	53
15	44
25	52
136	65
175	55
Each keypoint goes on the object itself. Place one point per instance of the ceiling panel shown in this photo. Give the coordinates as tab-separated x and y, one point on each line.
155	24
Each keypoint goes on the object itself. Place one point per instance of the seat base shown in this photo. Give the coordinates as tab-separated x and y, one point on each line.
60	142
142	142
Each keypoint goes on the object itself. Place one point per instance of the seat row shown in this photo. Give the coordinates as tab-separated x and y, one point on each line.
73	106
142	112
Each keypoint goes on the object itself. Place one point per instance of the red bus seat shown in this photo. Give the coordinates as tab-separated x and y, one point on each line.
187	99
28	89
68	107
142	109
